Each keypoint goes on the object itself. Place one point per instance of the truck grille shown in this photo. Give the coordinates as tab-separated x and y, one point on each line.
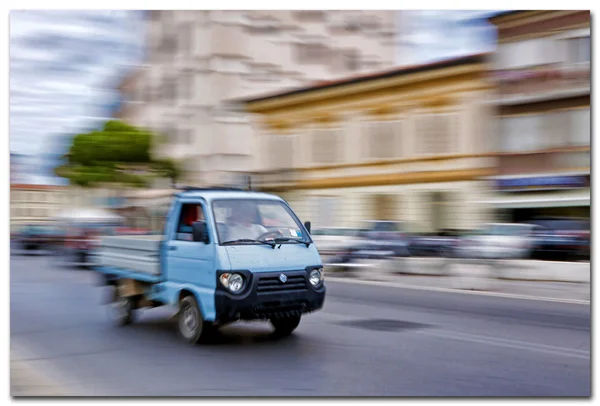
272	284
281	309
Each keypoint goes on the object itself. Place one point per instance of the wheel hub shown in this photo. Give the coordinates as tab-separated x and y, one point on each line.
190	320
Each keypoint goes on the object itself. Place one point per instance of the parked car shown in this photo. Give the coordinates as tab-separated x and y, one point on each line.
39	237
562	238
379	240
499	241
442	244
334	240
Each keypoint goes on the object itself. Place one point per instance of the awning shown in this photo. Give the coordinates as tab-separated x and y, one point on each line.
533	200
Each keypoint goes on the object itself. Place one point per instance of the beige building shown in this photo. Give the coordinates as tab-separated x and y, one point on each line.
39	204
35	204
542	75
199	59
408	144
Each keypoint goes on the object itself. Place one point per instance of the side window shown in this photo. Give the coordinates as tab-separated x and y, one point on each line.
190	213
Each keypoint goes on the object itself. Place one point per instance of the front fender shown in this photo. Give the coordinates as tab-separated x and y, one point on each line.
204	296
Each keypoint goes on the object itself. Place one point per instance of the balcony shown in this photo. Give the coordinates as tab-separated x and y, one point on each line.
542	84
577	159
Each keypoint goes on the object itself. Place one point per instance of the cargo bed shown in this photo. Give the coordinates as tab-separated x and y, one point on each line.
136	257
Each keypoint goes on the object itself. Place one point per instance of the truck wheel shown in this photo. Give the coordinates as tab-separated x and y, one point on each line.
192	326
123	308
285	326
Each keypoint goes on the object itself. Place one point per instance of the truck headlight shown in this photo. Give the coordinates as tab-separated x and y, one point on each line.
234	282
316	277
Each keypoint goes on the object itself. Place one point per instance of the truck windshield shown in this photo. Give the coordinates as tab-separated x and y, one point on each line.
244	220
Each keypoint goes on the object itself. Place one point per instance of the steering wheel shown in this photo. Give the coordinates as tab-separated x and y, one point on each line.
273	234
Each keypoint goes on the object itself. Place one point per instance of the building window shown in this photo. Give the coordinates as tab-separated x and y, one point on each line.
578	50
523	54
189	134
580	127
281	151
555	129
352	26
310	15
326	208
260	27
352	60
229	65
326	146
437	134
186	39
187	84
170	90
382	139
312	53
521	133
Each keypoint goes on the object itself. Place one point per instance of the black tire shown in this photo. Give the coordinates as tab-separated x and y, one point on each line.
123	309
285	326
192	326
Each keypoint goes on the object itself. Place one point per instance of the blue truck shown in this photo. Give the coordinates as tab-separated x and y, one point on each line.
225	256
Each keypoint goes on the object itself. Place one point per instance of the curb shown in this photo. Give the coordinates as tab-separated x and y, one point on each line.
458	291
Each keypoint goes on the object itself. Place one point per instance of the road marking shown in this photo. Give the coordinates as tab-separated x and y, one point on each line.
460	291
28	381
507	343
475	338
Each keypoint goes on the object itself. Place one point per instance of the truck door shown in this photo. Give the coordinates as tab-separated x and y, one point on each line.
189	262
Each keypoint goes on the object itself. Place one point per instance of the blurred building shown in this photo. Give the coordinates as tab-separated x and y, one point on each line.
35	204
196	60
17	171
406	144
542	73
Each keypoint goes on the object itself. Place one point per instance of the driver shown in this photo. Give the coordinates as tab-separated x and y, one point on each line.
241	224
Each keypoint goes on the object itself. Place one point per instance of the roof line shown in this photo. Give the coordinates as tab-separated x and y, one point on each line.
404	70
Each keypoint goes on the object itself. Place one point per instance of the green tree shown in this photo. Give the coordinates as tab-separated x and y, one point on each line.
119	154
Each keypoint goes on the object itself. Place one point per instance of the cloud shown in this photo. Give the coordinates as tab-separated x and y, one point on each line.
434	34
63	69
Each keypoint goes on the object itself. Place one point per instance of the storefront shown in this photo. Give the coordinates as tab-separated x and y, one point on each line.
521	199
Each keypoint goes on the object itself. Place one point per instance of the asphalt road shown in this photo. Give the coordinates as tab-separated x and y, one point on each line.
367	341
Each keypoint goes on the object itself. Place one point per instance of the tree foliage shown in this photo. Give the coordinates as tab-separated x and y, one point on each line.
118	153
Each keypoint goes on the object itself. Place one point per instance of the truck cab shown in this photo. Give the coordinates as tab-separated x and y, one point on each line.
225	256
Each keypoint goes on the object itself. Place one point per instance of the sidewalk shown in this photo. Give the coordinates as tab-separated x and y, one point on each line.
470	278
29	381
26	382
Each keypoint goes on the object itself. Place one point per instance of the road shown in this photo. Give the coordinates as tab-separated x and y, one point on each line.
367	341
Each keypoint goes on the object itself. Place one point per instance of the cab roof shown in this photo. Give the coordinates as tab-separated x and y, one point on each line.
211	194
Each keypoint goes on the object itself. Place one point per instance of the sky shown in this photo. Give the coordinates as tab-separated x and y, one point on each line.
429	35
64	66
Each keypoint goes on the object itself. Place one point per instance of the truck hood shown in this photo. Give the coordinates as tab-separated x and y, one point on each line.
262	258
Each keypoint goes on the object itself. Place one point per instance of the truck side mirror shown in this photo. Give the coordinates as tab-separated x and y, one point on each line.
307	226
200	232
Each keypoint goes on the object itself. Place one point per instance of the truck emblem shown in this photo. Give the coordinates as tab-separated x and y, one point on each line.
283	278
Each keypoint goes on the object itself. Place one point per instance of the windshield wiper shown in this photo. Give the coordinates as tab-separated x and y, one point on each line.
242	240
279	240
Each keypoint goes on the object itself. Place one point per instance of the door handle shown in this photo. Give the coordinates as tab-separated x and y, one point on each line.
172	248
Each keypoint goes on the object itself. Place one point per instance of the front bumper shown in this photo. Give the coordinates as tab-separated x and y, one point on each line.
265	298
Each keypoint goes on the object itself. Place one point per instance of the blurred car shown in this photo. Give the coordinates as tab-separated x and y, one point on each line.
39	237
379	240
333	240
499	241
441	244
565	238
